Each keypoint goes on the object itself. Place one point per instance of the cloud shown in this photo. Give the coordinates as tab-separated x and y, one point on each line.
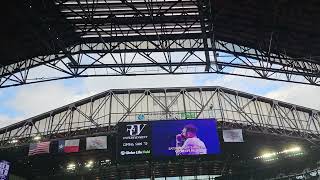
303	95
249	85
96	85
299	94
7	120
34	99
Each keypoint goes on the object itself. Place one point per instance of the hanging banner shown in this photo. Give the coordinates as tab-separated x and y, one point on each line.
99	142
39	148
232	135
4	170
69	146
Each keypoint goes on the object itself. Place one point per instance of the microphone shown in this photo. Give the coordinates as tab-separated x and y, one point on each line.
180	139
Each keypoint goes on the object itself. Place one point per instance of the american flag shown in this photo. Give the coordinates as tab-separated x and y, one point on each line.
39	148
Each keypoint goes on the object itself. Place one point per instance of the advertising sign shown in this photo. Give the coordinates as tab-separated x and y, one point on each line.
134	140
4	170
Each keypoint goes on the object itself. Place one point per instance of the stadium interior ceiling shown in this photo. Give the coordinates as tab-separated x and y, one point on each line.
268	125
46	40
276	40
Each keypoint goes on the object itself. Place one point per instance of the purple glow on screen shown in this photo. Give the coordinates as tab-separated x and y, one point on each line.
185	137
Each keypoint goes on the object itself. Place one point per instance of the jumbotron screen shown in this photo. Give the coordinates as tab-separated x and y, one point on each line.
168	138
184	138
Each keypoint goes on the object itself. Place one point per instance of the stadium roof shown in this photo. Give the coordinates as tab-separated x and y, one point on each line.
98	113
41	27
268	125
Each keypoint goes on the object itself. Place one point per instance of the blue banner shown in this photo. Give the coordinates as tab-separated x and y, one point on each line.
4	170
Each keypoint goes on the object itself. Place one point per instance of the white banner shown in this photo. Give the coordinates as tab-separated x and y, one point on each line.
99	142
232	135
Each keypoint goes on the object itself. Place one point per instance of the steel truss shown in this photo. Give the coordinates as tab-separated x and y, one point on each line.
143	37
306	174
99	114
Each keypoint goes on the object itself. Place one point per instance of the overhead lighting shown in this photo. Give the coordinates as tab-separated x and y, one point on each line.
267	156
37	138
89	164
71	166
292	150
105	162
13	141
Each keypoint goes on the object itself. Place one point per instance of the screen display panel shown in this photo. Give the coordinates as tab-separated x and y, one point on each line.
167	138
185	138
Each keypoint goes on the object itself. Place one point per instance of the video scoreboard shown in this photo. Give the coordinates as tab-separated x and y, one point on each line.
167	138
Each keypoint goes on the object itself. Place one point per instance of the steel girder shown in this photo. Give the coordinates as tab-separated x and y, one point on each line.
142	37
99	114
307	174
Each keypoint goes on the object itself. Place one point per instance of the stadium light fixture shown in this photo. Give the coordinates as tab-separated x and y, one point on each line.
13	141
290	152
295	149
105	162
71	166
267	156
89	164
37	138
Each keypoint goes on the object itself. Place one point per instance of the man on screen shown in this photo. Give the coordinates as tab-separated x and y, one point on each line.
187	143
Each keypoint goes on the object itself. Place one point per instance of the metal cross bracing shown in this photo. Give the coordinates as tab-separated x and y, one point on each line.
144	37
100	114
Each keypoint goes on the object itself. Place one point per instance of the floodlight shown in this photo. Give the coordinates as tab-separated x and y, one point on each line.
13	141
105	162
292	150
266	156
89	164
37	138
71	166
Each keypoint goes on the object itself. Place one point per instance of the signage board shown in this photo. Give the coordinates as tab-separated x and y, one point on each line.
4	170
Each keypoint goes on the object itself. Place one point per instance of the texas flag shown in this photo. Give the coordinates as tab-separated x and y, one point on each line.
69	146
